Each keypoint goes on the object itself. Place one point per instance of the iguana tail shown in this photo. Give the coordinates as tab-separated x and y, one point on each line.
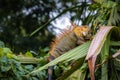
50	68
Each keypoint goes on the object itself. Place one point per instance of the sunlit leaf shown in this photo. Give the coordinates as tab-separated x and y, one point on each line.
79	51
6	50
28	60
99	1
108	4
28	54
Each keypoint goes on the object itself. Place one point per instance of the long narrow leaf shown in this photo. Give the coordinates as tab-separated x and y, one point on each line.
115	43
76	66
116	54
104	56
70	55
79	74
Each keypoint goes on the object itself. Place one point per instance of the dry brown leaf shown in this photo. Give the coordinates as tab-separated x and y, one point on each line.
95	48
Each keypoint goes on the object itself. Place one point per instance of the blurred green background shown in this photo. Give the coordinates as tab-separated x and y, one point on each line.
19	18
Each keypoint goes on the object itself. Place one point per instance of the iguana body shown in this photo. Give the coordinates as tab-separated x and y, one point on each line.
67	41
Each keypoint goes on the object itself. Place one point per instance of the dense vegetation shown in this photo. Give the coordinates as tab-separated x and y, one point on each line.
25	28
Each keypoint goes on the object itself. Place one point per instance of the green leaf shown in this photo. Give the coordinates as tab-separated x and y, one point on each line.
99	1
79	74
104	56
28	54
76	65
108	4
74	54
4	64
115	43
6	50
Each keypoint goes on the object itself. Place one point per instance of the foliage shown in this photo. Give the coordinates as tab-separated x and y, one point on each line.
100	44
102	59
14	67
104	14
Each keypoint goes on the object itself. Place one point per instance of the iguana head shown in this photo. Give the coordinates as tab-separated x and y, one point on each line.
81	31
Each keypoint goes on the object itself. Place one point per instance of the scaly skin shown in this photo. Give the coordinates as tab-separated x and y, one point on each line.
67	41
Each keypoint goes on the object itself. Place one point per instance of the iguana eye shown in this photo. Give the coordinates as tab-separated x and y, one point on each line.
84	33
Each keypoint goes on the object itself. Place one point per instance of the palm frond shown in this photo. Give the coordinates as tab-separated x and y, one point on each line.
74	54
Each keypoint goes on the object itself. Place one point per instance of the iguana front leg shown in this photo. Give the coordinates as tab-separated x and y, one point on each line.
80	41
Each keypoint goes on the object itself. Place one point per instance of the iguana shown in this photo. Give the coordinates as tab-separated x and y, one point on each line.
66	41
